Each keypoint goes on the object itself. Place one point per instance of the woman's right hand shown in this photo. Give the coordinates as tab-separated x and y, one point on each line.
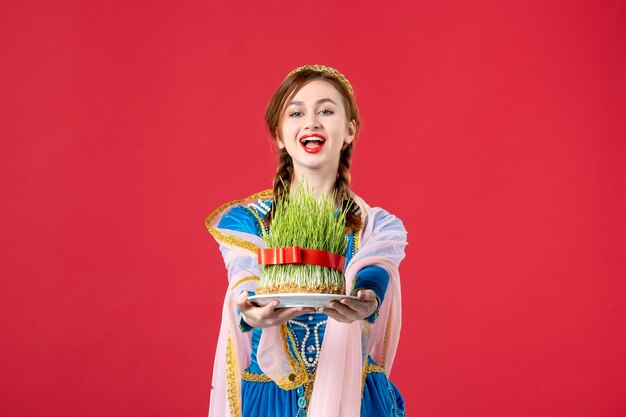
267	315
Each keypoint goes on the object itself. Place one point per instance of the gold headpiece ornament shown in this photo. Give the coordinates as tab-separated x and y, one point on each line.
331	71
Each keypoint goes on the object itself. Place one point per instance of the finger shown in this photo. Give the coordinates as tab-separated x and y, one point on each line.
366	295
281	316
269	308
332	313
361	307
368	301
343	308
346	312
290	313
242	301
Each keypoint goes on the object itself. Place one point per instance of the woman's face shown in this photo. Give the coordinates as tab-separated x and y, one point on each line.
314	128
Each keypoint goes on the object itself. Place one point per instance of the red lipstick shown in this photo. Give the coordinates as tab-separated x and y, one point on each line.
315	142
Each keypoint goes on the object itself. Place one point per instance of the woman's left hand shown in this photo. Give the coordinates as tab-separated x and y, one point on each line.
348	311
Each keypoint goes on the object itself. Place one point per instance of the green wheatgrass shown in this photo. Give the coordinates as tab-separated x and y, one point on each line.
299	219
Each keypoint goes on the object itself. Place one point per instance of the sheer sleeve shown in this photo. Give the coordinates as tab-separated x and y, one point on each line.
240	219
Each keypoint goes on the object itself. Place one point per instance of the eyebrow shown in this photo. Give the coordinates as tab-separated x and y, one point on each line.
320	101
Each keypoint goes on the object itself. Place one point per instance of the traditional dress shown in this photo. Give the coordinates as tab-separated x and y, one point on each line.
312	365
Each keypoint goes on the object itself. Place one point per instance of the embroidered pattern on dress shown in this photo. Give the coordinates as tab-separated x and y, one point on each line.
298	374
229	239
261	226
232	385
243	280
310	354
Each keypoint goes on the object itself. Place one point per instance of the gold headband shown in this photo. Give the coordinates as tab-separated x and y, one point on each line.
331	71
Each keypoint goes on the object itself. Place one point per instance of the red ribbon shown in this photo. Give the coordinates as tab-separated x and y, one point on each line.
298	255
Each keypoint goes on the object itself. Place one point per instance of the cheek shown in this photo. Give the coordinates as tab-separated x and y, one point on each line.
288	127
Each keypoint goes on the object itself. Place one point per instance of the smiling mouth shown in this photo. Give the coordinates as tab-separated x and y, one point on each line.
313	143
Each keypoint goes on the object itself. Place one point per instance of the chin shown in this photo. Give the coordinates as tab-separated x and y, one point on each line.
311	165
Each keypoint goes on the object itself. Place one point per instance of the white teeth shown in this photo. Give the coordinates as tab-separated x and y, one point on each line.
313	139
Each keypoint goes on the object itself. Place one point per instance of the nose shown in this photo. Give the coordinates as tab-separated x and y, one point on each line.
312	121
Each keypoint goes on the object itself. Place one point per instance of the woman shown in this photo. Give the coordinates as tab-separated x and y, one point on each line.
299	361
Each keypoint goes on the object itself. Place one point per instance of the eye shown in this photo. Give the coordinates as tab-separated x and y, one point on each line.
295	114
326	111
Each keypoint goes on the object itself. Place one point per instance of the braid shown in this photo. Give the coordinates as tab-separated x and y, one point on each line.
282	180
344	195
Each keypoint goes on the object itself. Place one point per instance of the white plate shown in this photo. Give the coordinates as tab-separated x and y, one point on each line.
299	299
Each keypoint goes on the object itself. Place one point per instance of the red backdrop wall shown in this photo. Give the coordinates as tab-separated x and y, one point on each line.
494	129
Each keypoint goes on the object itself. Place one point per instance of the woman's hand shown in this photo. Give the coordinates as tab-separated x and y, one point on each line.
267	316
347	310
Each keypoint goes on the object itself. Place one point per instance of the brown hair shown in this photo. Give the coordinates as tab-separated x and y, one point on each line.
273	117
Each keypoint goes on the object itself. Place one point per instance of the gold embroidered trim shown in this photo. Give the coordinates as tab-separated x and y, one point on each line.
308	385
370	369
309	376
249	376
232	385
308	388
294	288
300	377
356	240
260	220
229	239
242	280
374	369
383	359
363	380
366	329
233	241
298	374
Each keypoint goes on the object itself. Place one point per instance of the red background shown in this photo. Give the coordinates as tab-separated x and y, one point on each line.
494	129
